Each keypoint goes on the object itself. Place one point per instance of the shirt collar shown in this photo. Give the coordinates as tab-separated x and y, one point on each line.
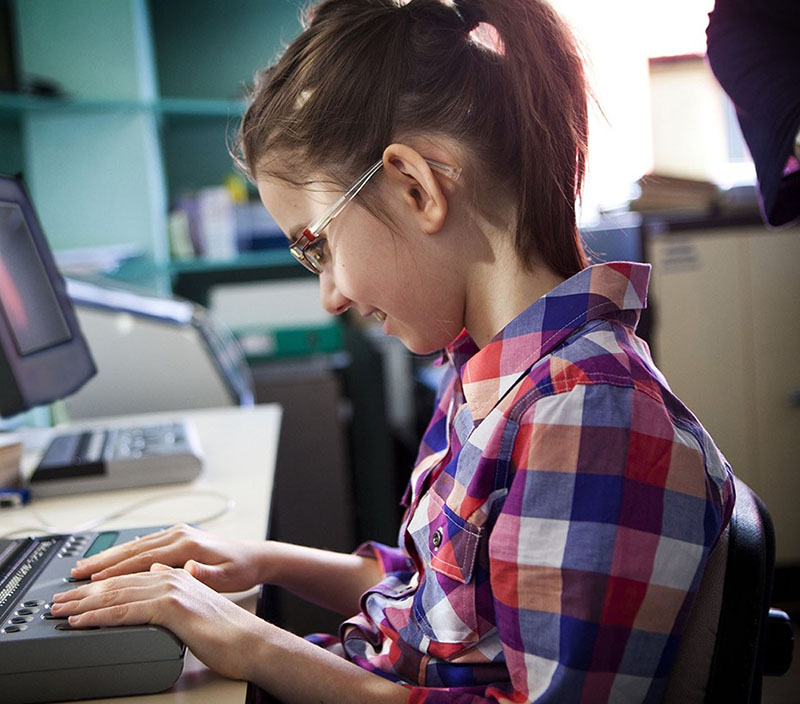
613	290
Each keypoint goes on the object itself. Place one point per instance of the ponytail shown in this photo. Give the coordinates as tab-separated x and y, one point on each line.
503	78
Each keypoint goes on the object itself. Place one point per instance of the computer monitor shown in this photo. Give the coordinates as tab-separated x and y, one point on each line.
43	354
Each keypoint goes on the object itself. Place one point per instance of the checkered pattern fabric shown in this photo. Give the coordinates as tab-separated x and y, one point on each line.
559	516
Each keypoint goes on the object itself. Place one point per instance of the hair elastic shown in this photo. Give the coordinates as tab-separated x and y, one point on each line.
471	15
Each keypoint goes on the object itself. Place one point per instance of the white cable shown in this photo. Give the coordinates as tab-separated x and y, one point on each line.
228	506
24	531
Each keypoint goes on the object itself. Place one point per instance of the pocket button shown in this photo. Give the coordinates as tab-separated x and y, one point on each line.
436	538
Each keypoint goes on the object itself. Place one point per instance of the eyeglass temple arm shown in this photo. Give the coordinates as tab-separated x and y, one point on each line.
449	171
345	198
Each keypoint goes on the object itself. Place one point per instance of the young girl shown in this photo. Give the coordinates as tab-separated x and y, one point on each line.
425	159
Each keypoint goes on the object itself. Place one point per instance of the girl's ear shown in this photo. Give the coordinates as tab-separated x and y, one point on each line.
421	193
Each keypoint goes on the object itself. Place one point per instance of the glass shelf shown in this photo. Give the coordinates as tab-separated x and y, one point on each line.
200	107
21	104
268	258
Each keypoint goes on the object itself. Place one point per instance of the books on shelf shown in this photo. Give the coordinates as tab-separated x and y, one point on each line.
661	192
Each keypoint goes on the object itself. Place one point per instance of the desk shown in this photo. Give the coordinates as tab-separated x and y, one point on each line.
240	447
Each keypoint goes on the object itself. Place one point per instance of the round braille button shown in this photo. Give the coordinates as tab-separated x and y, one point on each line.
436	538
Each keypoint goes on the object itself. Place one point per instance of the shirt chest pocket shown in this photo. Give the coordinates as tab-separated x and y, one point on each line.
445	604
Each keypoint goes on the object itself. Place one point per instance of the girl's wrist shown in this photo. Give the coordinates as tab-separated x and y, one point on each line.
241	645
254	647
277	560
268	563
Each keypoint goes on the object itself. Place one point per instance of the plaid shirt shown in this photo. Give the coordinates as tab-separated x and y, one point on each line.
559	516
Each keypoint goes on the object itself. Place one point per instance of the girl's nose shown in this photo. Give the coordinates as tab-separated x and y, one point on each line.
330	297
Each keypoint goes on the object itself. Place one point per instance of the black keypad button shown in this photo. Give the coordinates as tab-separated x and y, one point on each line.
66	626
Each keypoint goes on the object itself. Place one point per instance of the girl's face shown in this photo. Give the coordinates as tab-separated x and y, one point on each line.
407	279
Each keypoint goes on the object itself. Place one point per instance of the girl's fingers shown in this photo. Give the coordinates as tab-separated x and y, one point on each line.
125	614
137	563
133	556
112	585
89	602
162	596
119	601
118	553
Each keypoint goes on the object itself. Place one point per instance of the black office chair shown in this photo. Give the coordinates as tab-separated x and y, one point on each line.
734	638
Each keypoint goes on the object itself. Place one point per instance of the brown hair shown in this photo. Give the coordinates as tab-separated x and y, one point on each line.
366	73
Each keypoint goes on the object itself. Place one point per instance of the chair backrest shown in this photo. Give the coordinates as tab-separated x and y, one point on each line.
721	656
738	663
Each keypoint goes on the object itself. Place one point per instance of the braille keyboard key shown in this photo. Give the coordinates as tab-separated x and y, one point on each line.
67	626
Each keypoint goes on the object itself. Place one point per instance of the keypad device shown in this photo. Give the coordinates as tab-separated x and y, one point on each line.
118	458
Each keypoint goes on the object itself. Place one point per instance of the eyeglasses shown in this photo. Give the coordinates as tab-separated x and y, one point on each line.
310	248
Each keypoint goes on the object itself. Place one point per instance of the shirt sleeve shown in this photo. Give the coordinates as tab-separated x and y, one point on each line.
598	549
391	559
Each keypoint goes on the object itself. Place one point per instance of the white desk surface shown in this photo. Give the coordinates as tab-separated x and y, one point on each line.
240	448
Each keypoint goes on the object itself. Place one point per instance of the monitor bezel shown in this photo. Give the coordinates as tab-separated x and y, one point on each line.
28	380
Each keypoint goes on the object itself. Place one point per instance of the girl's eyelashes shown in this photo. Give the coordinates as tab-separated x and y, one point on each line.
318	250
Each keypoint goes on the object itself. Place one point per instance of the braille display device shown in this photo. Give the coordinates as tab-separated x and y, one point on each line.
43	659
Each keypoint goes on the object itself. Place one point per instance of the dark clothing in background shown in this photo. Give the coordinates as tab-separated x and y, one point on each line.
754	51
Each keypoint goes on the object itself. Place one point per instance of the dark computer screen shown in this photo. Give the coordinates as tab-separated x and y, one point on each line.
43	355
29	303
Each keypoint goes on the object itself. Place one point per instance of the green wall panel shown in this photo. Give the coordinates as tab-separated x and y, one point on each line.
103	172
96	180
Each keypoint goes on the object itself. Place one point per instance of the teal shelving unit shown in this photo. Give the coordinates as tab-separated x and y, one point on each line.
92	162
149	92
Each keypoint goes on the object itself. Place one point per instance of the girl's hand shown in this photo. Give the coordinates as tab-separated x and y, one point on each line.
228	639
223	564
213	627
